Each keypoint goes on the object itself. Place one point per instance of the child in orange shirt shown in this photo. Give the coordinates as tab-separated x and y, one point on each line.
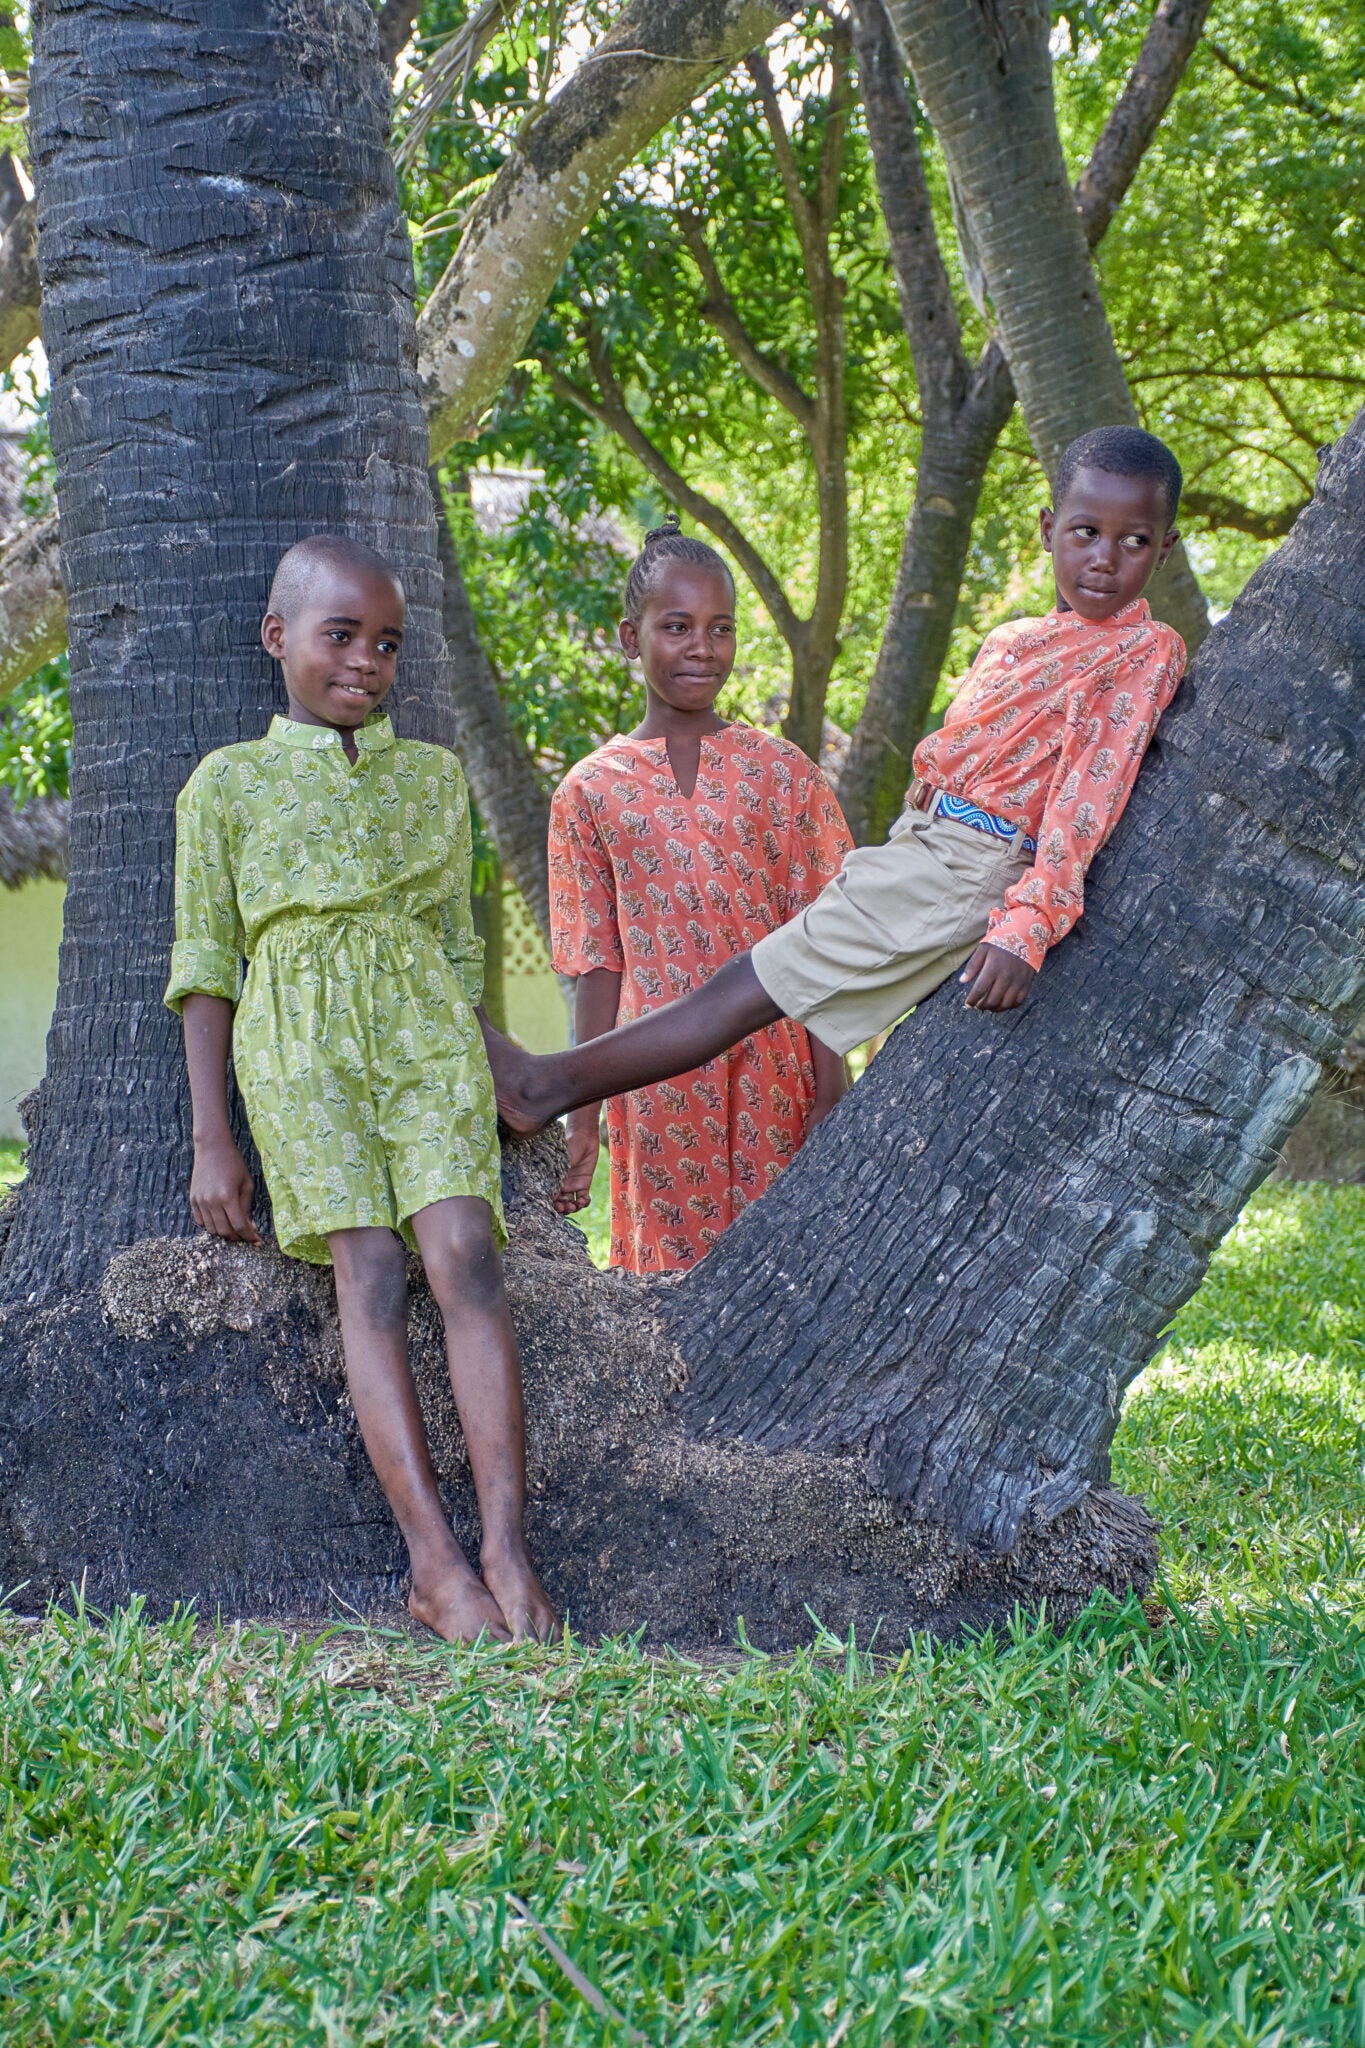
673	849
1012	800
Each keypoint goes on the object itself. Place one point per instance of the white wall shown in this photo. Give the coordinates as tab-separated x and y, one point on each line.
30	934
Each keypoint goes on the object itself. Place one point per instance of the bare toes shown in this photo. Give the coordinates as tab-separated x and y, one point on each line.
459	1609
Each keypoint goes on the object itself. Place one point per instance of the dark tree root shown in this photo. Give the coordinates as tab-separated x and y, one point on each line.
186	1434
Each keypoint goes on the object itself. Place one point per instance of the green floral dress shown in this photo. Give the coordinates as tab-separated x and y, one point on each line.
356	1047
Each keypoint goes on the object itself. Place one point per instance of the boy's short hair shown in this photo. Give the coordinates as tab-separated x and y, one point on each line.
1122	451
297	565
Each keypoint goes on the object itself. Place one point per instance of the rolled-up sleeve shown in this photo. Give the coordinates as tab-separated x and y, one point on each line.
206	958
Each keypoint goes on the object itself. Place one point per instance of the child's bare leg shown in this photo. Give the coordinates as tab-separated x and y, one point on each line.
533	1088
372	1300
455	1238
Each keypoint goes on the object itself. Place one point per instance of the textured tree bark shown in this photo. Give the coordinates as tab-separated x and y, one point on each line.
978	1251
227	304
984	76
652	63
511	800
32	603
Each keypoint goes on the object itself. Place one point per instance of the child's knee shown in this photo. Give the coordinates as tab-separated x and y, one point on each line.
464	1271
372	1277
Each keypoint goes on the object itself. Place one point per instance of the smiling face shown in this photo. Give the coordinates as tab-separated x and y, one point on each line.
685	635
1107	538
339	646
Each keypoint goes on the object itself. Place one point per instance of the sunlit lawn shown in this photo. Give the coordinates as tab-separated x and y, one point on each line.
1129	1835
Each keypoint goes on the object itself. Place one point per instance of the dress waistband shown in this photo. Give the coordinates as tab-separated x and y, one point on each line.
322	931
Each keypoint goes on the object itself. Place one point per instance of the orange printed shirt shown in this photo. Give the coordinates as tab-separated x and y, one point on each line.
664	889
1048	731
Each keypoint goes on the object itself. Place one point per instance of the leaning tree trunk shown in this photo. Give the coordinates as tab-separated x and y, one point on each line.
984	76
978	1252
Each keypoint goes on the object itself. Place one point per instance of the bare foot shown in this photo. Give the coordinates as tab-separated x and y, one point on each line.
514	1088
528	1609
456	1606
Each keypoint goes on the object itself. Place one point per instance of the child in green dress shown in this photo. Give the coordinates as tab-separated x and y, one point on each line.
335	858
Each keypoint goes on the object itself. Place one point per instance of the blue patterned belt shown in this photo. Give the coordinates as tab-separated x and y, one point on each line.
939	804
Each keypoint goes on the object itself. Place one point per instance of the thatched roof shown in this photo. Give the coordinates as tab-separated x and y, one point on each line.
32	838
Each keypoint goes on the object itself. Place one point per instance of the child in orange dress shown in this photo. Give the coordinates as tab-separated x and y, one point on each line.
673	849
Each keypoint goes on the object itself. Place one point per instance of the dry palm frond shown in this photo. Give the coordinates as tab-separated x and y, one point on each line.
33	838
447	75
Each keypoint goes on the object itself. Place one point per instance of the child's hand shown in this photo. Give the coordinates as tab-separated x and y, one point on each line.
584	1140
221	1190
996	980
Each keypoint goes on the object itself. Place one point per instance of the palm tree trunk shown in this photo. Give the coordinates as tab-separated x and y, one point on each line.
978	1252
235	373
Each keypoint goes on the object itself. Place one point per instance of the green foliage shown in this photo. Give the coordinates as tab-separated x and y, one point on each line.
35	734
1233	273
633	286
545	589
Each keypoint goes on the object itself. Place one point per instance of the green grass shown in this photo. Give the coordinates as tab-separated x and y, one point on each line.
1134	1834
11	1162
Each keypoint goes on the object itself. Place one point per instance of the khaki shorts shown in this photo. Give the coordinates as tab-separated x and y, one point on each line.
894	923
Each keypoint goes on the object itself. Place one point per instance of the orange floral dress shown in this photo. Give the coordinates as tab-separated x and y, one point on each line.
663	890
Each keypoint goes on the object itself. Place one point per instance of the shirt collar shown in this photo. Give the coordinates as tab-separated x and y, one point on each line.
371	738
1135	614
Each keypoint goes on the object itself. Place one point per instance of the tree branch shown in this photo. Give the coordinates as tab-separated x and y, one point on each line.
32	603
1300	101
1138	112
611	410
836	129
1227	512
928	309
651	64
788	170
720	311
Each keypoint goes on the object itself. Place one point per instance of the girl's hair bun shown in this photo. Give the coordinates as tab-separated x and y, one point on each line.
663	543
